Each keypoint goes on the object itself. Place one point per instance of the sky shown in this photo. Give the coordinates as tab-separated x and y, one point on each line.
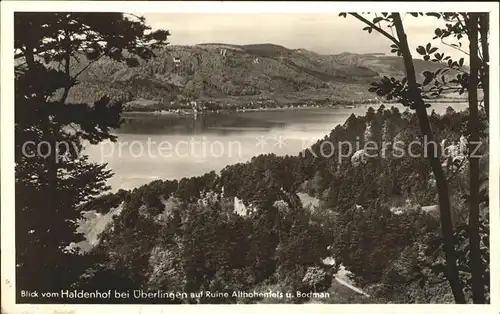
320	32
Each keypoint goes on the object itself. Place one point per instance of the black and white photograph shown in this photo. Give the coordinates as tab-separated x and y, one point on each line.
209	155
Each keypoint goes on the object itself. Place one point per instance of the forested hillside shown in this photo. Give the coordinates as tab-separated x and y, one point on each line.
375	217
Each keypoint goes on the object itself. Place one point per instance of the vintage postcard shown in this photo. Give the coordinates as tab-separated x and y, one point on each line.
157	155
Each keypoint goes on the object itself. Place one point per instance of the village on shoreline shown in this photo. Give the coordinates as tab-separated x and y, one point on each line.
195	107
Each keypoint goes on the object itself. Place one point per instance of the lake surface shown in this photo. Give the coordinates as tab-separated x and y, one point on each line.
151	147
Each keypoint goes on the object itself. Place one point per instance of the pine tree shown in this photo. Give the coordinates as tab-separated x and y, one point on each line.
52	175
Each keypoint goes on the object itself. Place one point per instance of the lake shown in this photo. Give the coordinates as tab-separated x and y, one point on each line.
151	147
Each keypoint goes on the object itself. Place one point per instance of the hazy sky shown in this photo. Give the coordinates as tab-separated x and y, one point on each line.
319	32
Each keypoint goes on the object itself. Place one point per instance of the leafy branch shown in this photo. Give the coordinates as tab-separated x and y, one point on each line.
372	25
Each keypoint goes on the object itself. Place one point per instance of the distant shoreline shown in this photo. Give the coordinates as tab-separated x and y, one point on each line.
187	112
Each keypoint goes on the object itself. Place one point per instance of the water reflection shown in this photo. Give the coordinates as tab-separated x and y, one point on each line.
222	124
298	128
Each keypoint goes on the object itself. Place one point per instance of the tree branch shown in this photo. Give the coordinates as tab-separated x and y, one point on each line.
437	282
67	60
456	48
462	24
441	183
459	167
484	77
375	27
87	66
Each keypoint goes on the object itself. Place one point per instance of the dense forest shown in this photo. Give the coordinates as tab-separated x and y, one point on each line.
186	236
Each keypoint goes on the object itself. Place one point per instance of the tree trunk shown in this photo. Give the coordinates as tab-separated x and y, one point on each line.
442	185
476	263
50	161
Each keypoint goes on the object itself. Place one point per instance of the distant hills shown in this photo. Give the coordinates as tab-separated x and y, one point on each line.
219	71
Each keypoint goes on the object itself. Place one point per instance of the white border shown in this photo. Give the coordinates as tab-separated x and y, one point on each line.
7	143
244	6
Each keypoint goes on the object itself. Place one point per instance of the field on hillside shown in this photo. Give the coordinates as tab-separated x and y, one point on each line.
240	74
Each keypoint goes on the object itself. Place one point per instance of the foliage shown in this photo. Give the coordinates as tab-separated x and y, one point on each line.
473	26
52	176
